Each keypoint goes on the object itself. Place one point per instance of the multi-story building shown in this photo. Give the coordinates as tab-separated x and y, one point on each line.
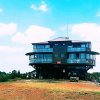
60	57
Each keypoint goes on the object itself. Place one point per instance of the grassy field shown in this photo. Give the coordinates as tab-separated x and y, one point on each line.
49	90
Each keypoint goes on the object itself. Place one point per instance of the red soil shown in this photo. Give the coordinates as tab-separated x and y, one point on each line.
33	90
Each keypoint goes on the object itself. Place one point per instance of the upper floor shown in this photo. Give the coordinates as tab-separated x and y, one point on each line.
68	46
62	51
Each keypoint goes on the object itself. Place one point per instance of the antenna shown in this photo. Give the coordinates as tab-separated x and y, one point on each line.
67	31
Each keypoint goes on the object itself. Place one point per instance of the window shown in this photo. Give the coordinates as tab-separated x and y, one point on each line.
88	56
47	46
82	55
47	56
88	45
56	44
34	46
94	57
72	56
70	46
63	43
83	45
40	46
91	56
31	57
38	56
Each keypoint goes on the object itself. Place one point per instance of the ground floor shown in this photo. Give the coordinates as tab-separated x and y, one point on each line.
60	72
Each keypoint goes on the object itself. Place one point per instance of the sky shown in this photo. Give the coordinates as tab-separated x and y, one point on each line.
23	22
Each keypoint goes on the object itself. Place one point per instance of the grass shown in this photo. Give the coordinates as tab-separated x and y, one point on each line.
96	92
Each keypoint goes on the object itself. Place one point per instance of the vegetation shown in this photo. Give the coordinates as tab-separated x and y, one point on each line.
15	75
95	76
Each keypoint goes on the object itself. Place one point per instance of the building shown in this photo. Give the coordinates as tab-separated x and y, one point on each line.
60	57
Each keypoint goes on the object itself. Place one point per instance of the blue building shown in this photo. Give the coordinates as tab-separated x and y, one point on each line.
60	57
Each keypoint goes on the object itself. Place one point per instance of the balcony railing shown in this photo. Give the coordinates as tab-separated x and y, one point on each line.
69	49
43	50
40	60
81	61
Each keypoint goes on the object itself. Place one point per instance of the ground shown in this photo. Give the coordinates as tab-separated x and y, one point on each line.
49	90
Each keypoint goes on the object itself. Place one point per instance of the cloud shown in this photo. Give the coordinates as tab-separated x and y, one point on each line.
89	31
41	7
7	29
13	56
33	34
9	49
1	10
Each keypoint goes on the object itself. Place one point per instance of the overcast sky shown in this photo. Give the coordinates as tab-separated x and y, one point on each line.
23	22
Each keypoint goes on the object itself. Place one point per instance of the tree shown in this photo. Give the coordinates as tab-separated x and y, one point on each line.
3	77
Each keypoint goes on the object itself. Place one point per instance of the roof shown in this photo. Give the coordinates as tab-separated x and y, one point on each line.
93	52
80	41
45	42
60	39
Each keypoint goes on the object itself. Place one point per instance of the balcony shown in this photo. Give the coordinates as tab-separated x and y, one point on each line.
70	49
81	61
40	61
43	50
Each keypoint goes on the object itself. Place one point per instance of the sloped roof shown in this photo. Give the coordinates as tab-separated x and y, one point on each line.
60	39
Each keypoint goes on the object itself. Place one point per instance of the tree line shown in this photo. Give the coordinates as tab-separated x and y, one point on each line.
17	75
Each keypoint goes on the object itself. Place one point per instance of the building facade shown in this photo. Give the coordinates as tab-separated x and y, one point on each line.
60	57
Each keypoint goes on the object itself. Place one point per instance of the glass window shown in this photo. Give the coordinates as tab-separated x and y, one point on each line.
47	56
88	56
40	46
82	55
38	56
63	43
70	46
88	45
91	56
82	45
31	57
94	57
56	44
47	46
72	56
34	46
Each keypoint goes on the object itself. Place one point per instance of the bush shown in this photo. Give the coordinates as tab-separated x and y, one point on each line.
3	77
